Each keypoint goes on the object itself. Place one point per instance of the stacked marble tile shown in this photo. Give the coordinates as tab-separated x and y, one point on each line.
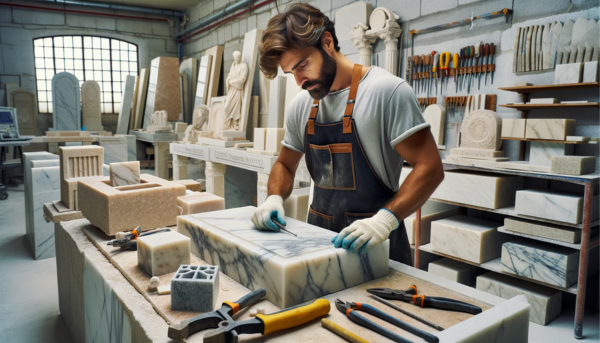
545	302
292	269
456	271
471	239
430	211
558	206
124	173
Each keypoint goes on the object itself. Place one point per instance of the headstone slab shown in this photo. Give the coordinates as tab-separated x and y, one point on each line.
90	99
481	129
25	103
126	102
189	67
66	104
164	89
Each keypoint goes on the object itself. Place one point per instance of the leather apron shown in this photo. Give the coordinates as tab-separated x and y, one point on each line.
345	186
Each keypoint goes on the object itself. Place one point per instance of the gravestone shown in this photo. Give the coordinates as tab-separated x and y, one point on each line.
24	101
90	98
66	103
480	137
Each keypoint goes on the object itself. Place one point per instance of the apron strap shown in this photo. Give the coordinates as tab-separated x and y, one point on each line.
356	72
313	115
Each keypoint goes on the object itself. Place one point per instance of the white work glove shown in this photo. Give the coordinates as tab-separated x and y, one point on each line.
271	208
362	235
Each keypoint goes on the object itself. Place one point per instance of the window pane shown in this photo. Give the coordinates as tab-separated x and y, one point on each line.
58	41
116	65
38	42
96	41
68	40
58	53
78	65
44	107
69	64
87	42
106	76
97	65
68	52
117	107
39	63
41	86
105	43
117	97
47	41
133	67
60	64
97	75
106	86
132	56
79	75
117	87
89	75
88	64
49	74
49	107
124	76
42	96
115	54
116	77
77	41
106	65
48	52
124	46
88	53
38	51
78	53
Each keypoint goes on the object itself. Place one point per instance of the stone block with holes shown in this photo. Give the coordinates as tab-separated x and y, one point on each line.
195	288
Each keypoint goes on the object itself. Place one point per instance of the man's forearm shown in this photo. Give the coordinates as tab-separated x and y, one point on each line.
415	190
281	181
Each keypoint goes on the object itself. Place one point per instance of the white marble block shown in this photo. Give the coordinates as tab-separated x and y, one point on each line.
544	101
455	271
542	153
573	165
45	187
479	189
163	253
545	262
555	232
277	101
260	137
590	71
296	206
430	211
126	101
568	73
559	206
124	173
545	302
66	114
554	129
435	115
198	202
513	128
273	140
292	269
471	239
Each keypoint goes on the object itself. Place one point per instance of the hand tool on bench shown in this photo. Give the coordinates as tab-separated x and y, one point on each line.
340	331
129	241
410	314
410	295
281	227
228	330
349	309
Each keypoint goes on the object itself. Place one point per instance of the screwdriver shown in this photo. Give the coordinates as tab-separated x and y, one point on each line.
462	66
473	54
483	61
486	51
444	64
415	60
436	58
475	63
492	54
469	56
423	69
454	65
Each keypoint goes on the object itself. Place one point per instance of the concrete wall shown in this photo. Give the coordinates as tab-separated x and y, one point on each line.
19	26
419	14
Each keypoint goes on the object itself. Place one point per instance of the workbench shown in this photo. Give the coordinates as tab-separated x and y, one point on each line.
103	295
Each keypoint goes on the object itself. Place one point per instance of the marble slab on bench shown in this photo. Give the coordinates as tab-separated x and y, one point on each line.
292	269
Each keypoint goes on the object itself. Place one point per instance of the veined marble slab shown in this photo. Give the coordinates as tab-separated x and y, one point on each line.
545	301
126	102
66	102
292	269
471	239
124	173
541	153
555	129
479	189
45	187
560	206
513	128
545	262
116	148
590	71
568	73
456	271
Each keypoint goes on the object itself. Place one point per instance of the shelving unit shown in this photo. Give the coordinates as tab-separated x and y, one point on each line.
544	140
543	88
527	107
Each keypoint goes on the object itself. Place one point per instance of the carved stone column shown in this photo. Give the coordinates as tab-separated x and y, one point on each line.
215	178
180	167
261	188
385	26
363	42
161	159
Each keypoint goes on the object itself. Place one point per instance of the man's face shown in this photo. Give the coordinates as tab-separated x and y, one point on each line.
313	69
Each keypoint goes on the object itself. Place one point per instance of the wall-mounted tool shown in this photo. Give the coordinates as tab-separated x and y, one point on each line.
444	64
455	65
492	57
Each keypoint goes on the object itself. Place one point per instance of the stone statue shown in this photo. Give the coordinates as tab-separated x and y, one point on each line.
235	92
200	117
159	118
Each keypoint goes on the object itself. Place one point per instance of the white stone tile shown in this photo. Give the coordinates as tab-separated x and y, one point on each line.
292	269
513	128
45	188
544	101
545	301
568	73
590	71
560	206
260	137
555	129
471	239
541	153
545	262
124	173
66	102
163	253
455	271
126	102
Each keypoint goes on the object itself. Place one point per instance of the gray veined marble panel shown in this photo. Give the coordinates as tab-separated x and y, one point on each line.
105	318
151	95
559	206
28	158
45	187
66	102
115	149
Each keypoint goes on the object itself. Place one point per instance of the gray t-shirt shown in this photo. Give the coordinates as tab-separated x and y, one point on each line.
386	112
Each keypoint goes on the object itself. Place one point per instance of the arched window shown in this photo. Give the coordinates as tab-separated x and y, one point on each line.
105	60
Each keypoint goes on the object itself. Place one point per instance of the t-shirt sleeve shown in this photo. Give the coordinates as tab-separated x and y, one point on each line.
402	115
293	133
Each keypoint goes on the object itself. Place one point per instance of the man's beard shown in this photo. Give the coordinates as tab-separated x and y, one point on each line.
326	77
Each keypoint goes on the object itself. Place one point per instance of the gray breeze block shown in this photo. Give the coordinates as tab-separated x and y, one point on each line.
195	288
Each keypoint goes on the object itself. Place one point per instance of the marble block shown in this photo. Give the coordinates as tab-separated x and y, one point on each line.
456	271
277	102
545	302
590	71
471	239
573	165
163	253
479	189
151	204
544	101
90	106
195	288
126	102
249	56
542	153
513	128
292	269
45	187
200	202
554	129
76	163
430	211
273	140
545	262
124	173
555	232
260	137
435	115
66	115
190	185
568	73
559	206
296	206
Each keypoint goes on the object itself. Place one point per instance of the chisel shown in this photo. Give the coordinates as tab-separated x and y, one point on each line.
455	63
281	227
492	54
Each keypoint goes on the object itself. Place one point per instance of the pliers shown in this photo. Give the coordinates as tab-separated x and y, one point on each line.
129	241
410	295
349	309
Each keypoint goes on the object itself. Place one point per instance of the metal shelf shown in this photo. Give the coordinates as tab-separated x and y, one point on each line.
543	88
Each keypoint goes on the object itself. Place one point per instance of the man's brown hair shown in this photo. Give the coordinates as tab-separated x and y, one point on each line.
299	27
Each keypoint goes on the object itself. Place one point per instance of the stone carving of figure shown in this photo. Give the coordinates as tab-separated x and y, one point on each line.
235	92
159	118
190	135
200	117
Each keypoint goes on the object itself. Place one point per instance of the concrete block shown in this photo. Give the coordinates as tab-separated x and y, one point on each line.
195	288
137	26
524	10
38	17
163	253
406	9
432	6
102	23
559	233
573	165
15	36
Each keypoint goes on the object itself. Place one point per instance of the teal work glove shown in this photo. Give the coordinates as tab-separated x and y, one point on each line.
362	235
271	209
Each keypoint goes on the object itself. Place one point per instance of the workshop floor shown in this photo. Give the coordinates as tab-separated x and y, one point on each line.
29	306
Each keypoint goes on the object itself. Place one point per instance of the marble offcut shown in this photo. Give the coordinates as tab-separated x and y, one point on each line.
590	71
456	271
195	288
200	202
163	253
292	269
513	128
296	205
542	153
568	73
45	187
124	173
559	206
552	129
545	302
126	103
573	165
471	239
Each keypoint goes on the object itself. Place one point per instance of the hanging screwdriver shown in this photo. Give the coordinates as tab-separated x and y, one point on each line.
423	70
436	58
480	68
415	60
444	63
486	51
469	56
492	55
454	65
462	66
475	63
